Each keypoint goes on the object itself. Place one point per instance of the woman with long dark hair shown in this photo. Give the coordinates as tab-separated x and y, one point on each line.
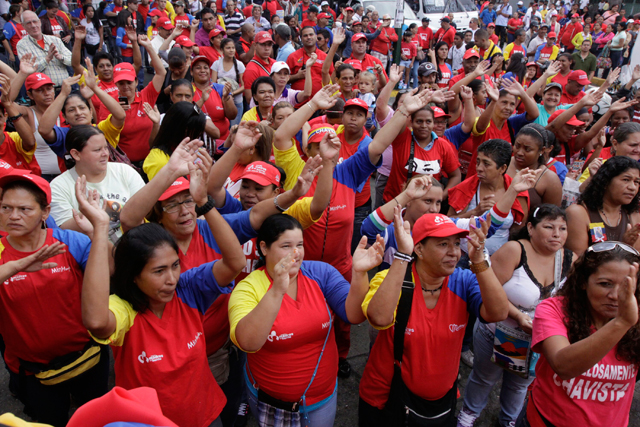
229	67
587	336
95	32
439	57
608	208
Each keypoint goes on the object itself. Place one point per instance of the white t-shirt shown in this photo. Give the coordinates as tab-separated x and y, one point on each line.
156	43
93	37
218	66
120	183
455	55
501	20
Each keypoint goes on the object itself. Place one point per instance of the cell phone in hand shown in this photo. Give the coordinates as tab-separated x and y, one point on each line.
123	100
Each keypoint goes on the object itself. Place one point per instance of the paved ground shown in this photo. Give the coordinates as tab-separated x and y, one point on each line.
347	415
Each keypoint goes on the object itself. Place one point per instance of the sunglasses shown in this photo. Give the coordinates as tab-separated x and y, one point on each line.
609	246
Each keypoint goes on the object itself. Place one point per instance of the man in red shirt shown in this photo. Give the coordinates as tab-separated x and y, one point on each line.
425	33
470	62
573	89
312	17
299	58
381	45
261	63
569	31
366	61
248	10
446	33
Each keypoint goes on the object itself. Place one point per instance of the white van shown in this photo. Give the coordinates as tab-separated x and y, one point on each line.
463	11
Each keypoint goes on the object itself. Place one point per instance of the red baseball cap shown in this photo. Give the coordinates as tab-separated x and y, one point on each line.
179	185
263	37
324	15
532	64
357	36
9	174
318	131
357	65
215	32
34	81
124	71
552	35
165	23
573	121
155	12
262	173
471	53
435	225
579	76
200	58
184	41
357	102
575	15
491	25
348	9
439	112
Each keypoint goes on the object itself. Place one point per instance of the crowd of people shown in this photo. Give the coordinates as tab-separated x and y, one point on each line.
212	194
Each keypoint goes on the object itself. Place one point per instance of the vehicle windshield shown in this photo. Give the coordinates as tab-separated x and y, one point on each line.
448	6
389	7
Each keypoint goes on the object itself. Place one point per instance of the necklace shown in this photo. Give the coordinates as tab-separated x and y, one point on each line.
432	291
607	218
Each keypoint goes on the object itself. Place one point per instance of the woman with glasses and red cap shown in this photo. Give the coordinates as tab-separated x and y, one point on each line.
42	270
587	336
214	99
413	375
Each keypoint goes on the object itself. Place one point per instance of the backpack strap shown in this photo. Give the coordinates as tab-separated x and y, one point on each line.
402	316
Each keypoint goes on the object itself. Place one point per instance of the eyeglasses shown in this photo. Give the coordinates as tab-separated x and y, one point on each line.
175	207
609	246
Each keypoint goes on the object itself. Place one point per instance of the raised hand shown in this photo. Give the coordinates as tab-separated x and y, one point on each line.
627	302
600	140
419	187
5	89
186	153
482	68
195	24
402	232
329	146
613	76
635	74
592	98
326	97
199	176
80	32
466	93
247	135
28	64
89	203
595	166
441	96
309	172
312	60
339	35
477	237
552	69
90	75
152	112
144	41
394	73
493	93
365	259
67	83
525	179
131	33
412	102
621	104
512	86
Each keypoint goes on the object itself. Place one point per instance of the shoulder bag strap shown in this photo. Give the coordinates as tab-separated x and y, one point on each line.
402	316
557	271
260	65
411	166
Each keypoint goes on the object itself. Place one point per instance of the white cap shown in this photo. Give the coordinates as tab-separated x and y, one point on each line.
324	3
280	65
520	3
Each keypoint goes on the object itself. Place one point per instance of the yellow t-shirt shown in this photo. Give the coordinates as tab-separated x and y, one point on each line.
373	288
252	114
289	160
17	140
156	159
301	210
111	133
586	174
125	315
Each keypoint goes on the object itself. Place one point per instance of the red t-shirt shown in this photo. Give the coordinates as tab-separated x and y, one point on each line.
409	49
253	70
56	28
569	99
210	52
232	184
494	39
184	19
19	33
446	75
11	151
460	76
112	90
285	363
514	23
128	51
445	36
545	53
144	11
426	35
134	138
41	317
116	9
440	157
559	78
347	150
215	110
492	133
297	59
368	63
432	343
600	397
308	23
247	11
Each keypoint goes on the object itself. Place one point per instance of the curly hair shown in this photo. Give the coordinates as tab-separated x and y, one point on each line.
578	319
592	197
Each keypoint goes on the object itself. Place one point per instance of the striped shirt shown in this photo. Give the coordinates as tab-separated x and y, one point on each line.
55	69
234	22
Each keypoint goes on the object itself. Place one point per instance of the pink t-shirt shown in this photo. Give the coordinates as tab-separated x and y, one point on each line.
599	397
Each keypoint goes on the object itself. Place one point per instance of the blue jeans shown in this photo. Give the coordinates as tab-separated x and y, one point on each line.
484	376
414	73
240	107
324	416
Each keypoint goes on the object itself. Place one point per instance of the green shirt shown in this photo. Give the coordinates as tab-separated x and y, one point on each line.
587	65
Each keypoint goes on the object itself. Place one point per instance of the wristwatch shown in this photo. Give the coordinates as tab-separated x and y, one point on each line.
202	210
480	266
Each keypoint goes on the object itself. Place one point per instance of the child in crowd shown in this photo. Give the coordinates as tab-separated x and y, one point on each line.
408	55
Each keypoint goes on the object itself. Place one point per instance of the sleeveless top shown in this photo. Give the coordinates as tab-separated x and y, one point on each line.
45	156
523	289
599	231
